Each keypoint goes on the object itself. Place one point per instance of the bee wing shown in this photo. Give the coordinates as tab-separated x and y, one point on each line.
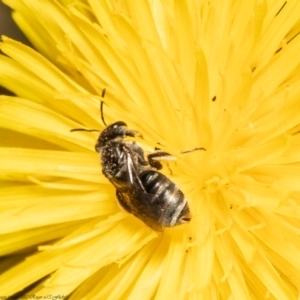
128	173
137	202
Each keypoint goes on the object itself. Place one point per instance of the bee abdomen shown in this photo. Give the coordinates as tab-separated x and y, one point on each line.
169	202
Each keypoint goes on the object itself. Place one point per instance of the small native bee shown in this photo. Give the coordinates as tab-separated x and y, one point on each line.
141	190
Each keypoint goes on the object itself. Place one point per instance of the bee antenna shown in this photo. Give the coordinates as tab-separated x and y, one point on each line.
101	107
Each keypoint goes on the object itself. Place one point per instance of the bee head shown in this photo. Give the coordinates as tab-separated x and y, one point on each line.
112	133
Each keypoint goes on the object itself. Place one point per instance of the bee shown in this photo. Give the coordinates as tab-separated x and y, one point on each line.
141	189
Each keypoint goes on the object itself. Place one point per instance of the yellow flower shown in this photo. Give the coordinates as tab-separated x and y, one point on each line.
223	75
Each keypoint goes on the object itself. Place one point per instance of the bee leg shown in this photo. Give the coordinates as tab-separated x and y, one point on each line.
192	150
133	133
155	157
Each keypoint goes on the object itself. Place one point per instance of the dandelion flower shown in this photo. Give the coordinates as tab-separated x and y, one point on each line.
223	75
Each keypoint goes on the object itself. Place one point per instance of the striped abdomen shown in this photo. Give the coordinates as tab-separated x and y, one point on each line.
168	201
